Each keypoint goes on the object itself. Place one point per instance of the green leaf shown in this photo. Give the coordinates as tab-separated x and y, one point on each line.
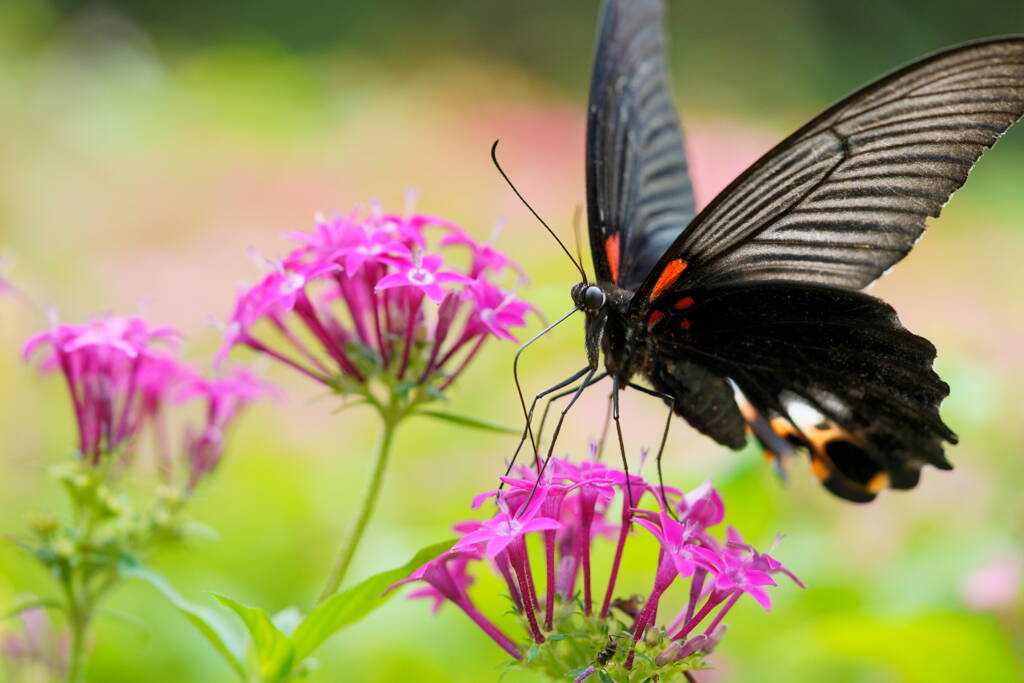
274	652
207	621
345	608
605	678
472	422
42	603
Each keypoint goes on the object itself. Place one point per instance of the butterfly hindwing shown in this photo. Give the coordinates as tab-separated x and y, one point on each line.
846	196
638	188
832	370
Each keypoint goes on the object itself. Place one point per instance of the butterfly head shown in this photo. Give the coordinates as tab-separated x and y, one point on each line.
589	298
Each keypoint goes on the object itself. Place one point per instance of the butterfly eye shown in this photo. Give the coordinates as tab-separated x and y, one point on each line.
593	298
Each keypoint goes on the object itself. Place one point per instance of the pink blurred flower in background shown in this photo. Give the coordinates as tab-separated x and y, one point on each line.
223	399
103	362
36	648
123	373
994	585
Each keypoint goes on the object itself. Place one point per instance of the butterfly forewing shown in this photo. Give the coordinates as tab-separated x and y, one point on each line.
845	197
638	189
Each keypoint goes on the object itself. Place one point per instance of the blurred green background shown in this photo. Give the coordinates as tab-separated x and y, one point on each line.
144	145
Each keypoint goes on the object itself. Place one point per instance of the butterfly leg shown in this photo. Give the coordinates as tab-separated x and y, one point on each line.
664	436
527	431
544	415
604	429
622	443
587	381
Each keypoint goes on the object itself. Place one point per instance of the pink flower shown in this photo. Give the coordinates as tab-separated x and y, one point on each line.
495	535
485	256
113	376
457	571
995	585
121	383
224	399
364	297
703	506
678	541
572	501
452	587
734	573
425	275
497	310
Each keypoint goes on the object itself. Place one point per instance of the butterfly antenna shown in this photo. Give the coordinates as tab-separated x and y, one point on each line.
494	158
577	216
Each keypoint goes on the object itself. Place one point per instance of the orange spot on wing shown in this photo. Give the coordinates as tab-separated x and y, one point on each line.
685	324
668	276
654	318
683	303
611	250
820	469
878	482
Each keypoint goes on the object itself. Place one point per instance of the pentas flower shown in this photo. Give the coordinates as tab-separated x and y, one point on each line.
102	362
364	302
123	374
223	399
564	507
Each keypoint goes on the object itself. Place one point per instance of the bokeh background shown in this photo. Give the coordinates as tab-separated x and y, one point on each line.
145	145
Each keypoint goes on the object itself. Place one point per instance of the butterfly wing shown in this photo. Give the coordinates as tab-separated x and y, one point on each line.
760	289
846	196
829	370
638	189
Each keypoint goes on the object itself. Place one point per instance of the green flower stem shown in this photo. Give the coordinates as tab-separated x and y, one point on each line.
78	624
391	420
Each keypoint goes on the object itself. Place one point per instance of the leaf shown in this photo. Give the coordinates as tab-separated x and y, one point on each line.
42	603
469	422
198	530
274	652
126	618
345	608
208	622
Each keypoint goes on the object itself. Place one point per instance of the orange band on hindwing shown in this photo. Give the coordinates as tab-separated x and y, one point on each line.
668	276
611	250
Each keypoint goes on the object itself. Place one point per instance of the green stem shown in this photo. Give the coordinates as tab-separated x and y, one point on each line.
366	507
78	624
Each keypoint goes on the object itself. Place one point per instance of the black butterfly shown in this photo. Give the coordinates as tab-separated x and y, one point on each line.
748	315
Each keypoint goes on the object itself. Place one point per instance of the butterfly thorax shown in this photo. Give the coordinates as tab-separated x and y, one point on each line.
609	331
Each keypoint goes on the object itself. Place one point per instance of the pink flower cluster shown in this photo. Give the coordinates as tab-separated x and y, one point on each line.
569	508
121	374
363	296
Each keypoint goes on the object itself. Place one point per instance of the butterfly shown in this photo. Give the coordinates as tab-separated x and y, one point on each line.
747	317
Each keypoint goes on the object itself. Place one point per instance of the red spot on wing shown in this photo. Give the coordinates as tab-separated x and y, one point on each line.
611	250
654	318
683	303
684	324
668	276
